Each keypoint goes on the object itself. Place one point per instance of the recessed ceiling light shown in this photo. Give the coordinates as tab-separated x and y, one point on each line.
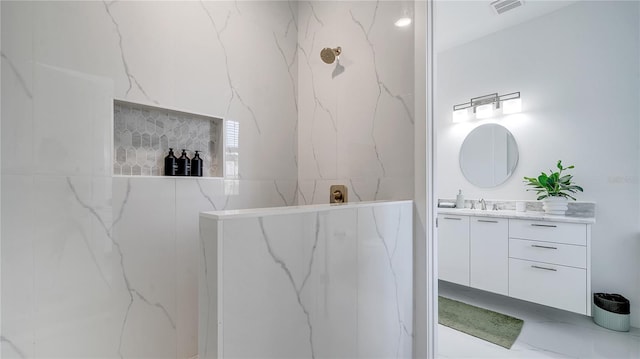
403	22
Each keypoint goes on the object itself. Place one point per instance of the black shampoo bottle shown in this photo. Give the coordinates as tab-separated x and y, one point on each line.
196	165
184	164
170	164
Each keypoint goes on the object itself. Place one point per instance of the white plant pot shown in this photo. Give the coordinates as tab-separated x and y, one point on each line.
555	205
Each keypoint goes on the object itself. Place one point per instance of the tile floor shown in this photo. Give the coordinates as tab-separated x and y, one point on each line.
547	332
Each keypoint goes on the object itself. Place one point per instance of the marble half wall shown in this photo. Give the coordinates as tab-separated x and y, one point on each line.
328	282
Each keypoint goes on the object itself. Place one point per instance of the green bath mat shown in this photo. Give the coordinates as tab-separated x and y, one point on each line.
488	325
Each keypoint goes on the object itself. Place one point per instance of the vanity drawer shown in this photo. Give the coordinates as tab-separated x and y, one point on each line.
554	253
553	285
568	233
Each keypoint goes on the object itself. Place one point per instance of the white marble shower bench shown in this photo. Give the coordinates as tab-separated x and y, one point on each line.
329	281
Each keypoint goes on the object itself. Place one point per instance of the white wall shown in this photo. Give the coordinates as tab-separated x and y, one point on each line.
577	70
102	266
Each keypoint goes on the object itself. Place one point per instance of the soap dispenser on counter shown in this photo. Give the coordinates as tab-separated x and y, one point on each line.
196	165
184	164
170	164
460	199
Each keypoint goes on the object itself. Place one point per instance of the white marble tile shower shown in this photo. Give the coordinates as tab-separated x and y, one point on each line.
253	63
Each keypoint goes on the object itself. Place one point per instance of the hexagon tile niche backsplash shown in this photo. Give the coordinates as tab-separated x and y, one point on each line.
143	134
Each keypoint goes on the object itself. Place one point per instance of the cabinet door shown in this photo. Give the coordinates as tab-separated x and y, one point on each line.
549	284
453	248
489	254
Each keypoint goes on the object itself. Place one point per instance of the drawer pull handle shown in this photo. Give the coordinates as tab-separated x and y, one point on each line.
544	225
545	247
487	221
454	218
545	268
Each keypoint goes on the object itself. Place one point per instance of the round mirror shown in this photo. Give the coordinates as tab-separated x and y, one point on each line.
488	156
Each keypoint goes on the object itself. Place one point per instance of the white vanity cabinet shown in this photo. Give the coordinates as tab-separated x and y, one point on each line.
549	264
453	248
489	252
546	260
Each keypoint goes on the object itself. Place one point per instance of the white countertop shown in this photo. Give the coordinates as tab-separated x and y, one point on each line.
271	211
540	216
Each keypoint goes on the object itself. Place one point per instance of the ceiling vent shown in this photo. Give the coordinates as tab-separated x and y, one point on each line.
502	6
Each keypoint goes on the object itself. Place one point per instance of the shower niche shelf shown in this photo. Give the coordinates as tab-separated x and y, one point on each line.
143	134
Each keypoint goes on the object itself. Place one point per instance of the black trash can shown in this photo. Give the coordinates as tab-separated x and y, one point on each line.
611	311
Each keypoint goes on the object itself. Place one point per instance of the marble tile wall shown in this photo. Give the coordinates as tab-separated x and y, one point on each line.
355	117
142	136
333	283
102	267
95	266
61	273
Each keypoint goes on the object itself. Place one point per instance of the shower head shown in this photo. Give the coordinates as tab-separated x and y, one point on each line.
328	55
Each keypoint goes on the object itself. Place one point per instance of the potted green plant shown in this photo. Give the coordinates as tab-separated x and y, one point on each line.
554	189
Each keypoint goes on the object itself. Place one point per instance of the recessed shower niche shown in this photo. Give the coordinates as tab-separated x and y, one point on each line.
143	134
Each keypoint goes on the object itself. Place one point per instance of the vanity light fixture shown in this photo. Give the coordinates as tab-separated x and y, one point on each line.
487	106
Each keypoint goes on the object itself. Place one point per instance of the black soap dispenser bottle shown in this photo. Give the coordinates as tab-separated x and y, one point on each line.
196	165
170	164
184	164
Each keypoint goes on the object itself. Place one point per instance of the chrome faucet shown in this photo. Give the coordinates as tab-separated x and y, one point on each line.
483	204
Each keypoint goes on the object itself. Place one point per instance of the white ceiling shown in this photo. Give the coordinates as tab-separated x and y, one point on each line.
460	21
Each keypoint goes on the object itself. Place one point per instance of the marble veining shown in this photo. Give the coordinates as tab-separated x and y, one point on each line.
132	80
317	103
284	201
208	198
373	197
402	328
233	89
108	231
285	268
375	111
13	346
354	191
304	198
294	17
130	288
16	73
95	214
290	64
335	283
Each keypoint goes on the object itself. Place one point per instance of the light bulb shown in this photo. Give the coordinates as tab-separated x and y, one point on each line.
461	115
512	106
484	111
